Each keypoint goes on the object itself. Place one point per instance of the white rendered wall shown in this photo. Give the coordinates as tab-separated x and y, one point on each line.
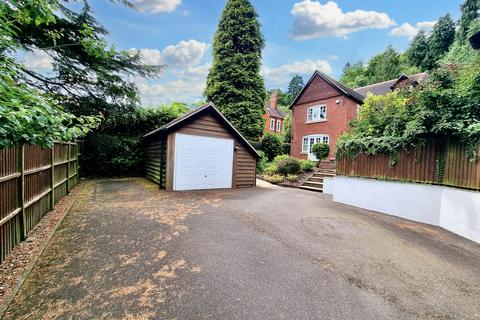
460	212
328	185
417	202
456	210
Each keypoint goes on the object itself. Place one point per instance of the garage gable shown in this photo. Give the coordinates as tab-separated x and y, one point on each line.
206	116
201	150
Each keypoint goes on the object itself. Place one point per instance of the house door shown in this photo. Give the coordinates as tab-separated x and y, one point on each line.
313	139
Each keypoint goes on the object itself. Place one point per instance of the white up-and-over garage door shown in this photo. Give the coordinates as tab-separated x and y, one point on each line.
202	162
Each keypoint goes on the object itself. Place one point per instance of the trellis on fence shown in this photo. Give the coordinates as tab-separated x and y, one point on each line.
436	163
32	181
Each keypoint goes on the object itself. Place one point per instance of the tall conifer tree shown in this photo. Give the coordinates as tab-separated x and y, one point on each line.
234	83
417	51
440	40
470	12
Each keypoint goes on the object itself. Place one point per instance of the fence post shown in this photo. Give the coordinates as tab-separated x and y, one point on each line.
52	177
68	167
21	191
77	170
440	150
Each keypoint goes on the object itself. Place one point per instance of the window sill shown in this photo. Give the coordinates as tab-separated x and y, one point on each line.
316	121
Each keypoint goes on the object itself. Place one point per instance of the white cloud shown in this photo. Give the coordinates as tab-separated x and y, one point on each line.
156	6
281	75
38	60
183	90
409	31
185	53
187	87
195	72
314	20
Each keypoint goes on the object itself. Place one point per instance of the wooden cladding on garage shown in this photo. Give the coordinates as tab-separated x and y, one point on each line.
244	169
155	160
160	149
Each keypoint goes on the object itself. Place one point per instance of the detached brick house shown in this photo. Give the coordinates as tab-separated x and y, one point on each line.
322	110
274	117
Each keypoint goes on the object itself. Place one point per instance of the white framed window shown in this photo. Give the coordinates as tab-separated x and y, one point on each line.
309	141
317	113
272	124
279	125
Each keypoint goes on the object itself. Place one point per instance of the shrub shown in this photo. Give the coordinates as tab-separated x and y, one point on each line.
256	144
261	161
321	151
292	178
286	148
271	169
279	158
307	165
272	145
288	166
275	179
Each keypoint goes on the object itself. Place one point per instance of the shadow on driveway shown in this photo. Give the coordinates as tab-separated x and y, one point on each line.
130	251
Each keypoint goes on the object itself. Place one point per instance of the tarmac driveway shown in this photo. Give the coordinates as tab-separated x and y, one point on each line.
130	251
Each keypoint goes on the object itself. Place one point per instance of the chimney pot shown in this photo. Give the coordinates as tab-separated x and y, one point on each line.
274	99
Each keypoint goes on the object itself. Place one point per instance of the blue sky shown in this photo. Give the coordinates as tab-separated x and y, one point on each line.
300	35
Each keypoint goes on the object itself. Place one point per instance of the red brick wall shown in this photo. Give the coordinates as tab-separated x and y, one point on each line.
338	115
267	118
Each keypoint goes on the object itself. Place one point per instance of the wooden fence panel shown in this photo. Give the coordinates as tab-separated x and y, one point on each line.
444	164
459	170
32	180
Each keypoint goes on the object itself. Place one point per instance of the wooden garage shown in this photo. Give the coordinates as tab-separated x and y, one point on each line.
200	150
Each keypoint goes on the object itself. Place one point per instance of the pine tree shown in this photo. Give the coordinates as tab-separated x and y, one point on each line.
354	75
440	40
470	11
234	83
417	51
384	66
295	86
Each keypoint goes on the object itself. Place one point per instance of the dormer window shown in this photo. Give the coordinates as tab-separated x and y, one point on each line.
317	113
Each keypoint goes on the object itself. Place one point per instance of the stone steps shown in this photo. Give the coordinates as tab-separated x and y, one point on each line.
311	189
315	182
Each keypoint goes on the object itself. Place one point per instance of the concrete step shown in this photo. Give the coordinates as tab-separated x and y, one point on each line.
321	174
313	184
312	189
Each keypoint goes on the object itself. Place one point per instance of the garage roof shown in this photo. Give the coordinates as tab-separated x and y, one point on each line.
210	107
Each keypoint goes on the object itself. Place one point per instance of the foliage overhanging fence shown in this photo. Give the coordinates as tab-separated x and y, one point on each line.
32	181
435	163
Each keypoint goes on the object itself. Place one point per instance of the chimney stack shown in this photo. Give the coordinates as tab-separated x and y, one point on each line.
274	99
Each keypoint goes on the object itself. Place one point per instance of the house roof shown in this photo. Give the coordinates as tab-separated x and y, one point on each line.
385	87
349	92
210	107
475	41
275	112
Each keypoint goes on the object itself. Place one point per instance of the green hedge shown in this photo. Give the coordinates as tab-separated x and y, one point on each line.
115	149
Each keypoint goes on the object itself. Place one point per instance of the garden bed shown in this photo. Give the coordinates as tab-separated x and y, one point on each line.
302	177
